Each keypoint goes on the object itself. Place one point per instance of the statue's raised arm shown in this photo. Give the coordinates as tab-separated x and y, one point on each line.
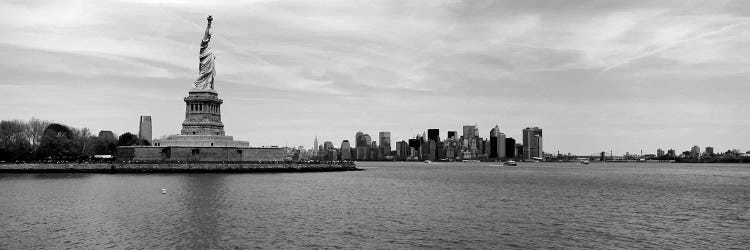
207	35
206	70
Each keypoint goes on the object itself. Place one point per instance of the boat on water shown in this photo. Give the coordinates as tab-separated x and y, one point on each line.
427	161
510	163
585	162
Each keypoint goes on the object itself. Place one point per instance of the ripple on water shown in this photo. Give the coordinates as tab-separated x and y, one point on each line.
390	205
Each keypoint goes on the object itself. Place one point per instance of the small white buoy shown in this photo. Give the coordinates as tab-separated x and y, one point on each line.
163	191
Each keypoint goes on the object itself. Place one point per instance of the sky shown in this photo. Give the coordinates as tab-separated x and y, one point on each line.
619	76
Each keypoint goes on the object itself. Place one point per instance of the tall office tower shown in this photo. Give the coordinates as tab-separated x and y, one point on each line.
346	151
368	140
362	153
695	151
519	151
659	152
440	150
333	155
486	148
510	147
359	139
373	151
432	154
359	142
144	129
433	134
315	146
671	153
469	132
327	147
402	150
501	144
414	143
384	139
497	143
478	146
450	149
532	143
362	145
451	134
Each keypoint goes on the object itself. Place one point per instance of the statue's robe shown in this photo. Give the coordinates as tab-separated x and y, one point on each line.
206	70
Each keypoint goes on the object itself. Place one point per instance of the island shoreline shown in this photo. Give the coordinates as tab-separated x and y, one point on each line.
175	167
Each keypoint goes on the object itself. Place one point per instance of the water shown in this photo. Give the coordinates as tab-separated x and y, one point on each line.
389	205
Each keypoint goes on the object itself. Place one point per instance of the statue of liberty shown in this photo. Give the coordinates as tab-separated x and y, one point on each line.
206	70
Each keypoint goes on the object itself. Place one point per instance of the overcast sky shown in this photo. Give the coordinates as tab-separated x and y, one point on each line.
594	75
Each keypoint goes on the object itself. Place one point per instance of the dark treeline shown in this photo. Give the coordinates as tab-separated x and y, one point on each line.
39	140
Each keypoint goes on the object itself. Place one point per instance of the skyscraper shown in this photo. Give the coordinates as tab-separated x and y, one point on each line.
315	146
384	139
373	151
469	132
497	143
402	150
510	147
327	145
359	139
432	151
144	129
368	140
362	142
519	151
659	152
414	143
452	134
695	151
532	143
433	134
346	152
709	151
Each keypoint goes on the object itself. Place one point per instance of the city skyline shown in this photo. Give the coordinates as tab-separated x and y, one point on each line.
614	76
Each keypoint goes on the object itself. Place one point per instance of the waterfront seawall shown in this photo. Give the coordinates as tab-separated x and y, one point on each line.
174	167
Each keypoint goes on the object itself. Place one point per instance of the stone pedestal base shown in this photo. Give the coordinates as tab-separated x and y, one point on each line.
200	141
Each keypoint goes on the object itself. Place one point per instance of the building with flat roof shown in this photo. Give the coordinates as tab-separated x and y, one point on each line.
695	151
532	143
144	129
384	139
433	134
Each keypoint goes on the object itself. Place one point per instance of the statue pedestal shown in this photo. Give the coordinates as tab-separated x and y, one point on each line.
202	113
202	126
201	141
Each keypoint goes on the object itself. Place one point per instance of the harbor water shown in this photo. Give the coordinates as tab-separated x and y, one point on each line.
388	205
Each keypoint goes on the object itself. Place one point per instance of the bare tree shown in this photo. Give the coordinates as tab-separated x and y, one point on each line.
35	130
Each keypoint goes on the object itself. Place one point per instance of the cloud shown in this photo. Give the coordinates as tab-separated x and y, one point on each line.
387	65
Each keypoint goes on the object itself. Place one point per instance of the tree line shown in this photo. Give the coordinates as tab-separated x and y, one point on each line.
40	140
